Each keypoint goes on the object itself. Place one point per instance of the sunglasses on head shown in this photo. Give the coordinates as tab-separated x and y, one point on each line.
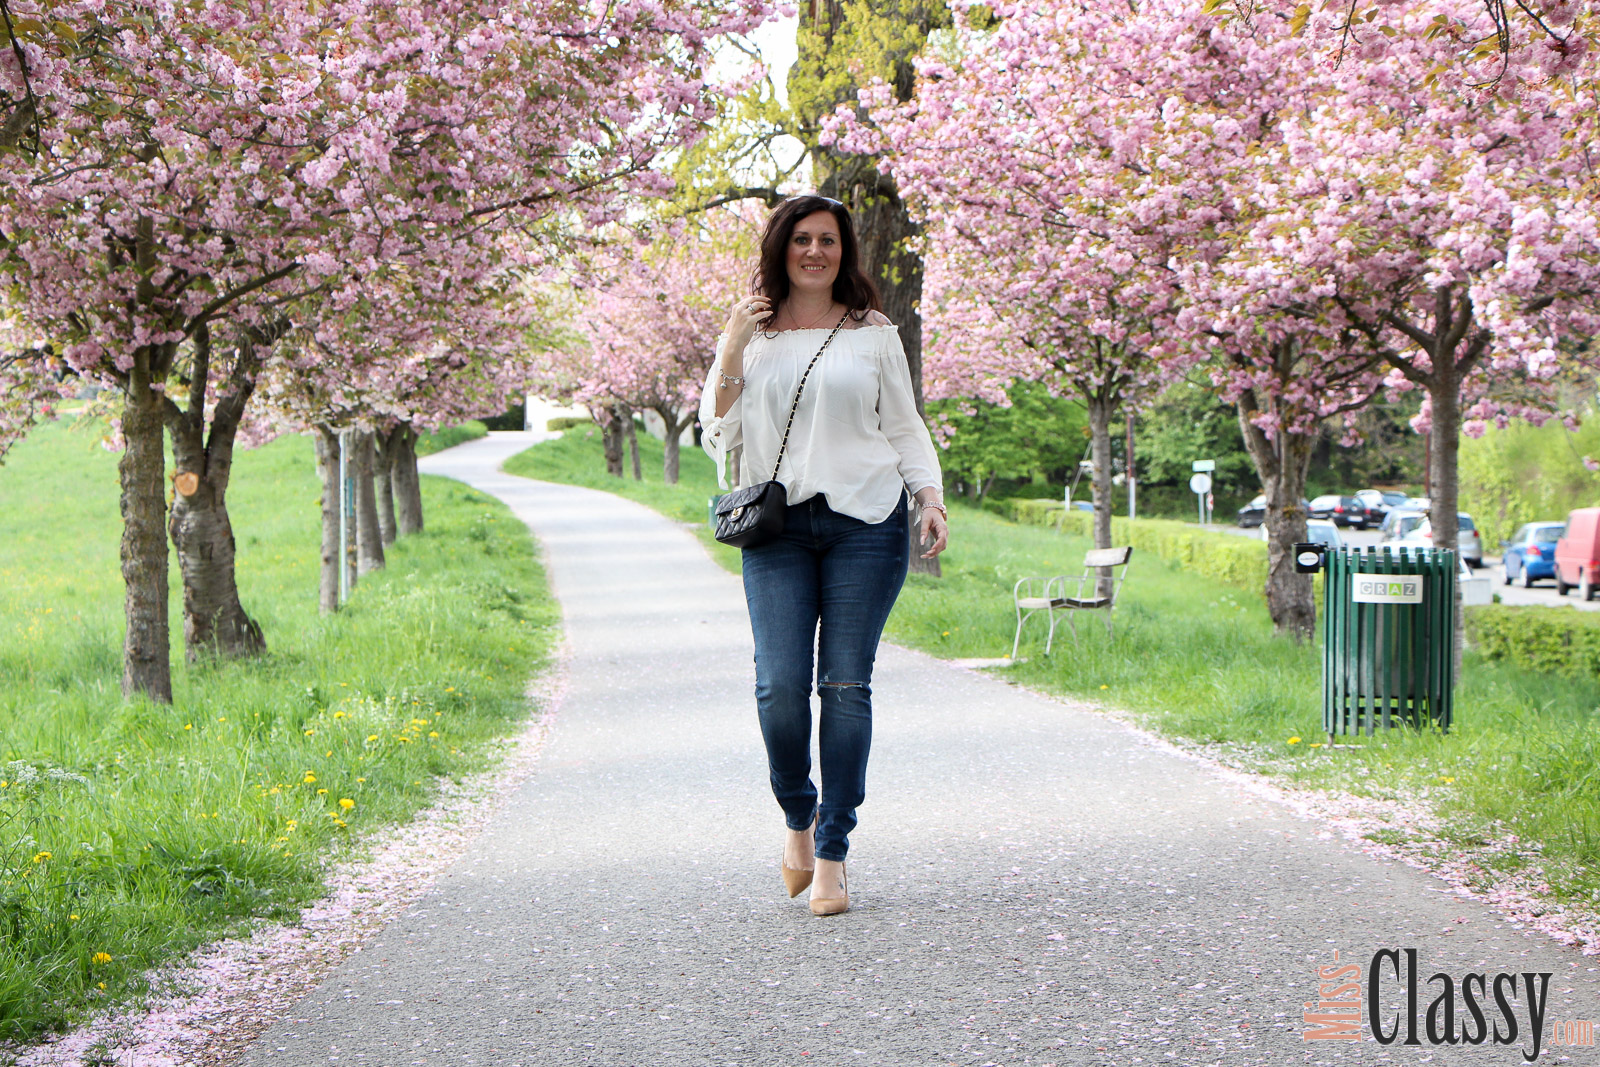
818	196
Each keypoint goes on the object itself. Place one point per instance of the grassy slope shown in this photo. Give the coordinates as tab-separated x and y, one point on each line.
577	458
165	827
1197	661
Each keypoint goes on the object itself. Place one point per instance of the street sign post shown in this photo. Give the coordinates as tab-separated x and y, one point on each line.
1200	485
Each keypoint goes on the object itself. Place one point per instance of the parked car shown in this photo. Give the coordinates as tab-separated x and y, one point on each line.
1381	501
1578	553
1254	513
1398	524
1324	532
1344	510
1469	545
1531	553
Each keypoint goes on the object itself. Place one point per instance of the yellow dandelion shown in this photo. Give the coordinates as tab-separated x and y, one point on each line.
338	715
360	779
1105	687
403	737
274	789
73	917
310	732
1445	779
346	803
40	857
101	957
102	985
222	718
945	634
308	779
372	737
1316	744
433	733
188	726
1294	740
322	792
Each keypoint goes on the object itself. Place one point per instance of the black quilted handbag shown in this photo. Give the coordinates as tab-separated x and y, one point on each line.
754	515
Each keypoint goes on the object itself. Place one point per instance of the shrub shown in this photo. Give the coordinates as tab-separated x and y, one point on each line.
1237	561
1537	638
567	422
449	437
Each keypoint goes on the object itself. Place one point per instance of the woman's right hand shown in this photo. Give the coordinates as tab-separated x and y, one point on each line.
744	317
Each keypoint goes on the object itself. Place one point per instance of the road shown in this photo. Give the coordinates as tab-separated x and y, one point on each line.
1543	593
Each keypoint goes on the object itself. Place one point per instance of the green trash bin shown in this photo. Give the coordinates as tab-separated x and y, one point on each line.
1388	627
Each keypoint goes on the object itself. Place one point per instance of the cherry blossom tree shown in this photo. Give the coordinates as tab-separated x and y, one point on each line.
223	166
1454	228
1039	266
654	308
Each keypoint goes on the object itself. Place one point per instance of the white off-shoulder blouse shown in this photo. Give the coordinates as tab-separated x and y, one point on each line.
857	438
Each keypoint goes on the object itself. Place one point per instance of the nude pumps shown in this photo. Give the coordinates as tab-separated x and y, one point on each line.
796	881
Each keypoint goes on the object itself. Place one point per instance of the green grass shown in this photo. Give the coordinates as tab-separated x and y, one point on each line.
450	436
131	832
578	458
1197	661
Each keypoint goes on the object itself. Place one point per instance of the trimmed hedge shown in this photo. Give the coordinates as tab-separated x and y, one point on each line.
1237	561
1538	638
562	423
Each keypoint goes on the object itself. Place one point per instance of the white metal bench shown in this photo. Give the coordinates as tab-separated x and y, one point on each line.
1089	592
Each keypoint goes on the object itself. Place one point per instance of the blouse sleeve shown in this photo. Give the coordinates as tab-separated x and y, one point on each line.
719	435
898	418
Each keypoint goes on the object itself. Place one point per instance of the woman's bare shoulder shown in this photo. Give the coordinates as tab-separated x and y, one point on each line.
876	318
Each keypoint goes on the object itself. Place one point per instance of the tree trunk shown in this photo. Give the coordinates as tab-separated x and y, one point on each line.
387	445
1100	411
1444	436
407	482
609	420
1282	462
1100	454
675	423
327	440
669	451
883	225
369	540
214	621
146	649
1133	479
631	432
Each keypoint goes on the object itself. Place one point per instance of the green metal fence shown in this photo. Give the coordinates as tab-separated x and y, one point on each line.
1388	627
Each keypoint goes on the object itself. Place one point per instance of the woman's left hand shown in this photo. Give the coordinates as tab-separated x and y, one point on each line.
933	527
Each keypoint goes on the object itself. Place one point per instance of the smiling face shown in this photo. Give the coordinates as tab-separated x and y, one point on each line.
813	254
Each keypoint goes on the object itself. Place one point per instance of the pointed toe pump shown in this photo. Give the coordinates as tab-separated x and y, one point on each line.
796	881
833	905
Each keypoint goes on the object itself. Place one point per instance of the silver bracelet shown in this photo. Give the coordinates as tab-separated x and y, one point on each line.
942	511
726	378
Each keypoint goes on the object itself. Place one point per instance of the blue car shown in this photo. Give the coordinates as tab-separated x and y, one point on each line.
1531	553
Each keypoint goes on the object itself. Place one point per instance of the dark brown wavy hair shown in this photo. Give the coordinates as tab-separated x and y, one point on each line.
851	287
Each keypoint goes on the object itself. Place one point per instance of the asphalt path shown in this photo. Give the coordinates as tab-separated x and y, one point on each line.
1032	883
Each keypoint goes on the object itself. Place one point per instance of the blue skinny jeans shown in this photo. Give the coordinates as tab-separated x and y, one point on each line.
829	580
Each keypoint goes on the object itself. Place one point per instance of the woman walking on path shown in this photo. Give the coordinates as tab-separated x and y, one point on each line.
856	448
